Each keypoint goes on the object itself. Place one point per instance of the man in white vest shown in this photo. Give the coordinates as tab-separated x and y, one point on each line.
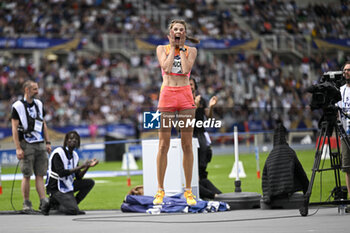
31	138
65	177
344	104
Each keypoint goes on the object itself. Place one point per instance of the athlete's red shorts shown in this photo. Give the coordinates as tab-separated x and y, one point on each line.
174	99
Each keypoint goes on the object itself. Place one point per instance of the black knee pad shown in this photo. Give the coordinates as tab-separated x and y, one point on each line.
90	182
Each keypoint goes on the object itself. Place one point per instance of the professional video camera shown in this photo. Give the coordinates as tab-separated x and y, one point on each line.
324	96
326	93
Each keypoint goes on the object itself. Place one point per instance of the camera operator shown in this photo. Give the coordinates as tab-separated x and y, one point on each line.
345	105
29	131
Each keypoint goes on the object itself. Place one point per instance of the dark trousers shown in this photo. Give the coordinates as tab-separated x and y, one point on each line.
204	156
68	204
207	189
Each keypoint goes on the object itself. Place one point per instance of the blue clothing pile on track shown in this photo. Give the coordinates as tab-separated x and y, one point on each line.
173	204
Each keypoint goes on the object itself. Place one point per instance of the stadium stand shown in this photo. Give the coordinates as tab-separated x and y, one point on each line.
253	86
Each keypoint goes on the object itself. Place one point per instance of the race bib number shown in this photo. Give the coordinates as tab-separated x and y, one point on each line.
177	65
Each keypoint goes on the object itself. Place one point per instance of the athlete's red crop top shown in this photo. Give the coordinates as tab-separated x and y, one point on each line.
176	69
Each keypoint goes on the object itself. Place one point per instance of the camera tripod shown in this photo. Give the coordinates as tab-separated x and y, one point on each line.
329	124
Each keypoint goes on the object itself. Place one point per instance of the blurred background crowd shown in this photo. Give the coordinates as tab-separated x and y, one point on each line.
253	87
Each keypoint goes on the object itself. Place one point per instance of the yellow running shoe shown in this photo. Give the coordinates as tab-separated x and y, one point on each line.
158	198
190	198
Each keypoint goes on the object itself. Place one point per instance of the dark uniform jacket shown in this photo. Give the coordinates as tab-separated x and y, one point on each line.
283	174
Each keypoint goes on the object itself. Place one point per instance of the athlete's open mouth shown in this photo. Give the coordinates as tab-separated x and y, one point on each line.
177	38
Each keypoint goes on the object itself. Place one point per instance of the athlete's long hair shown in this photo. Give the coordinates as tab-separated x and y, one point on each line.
183	22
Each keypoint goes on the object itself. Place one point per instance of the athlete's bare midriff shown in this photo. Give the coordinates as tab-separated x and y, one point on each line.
175	80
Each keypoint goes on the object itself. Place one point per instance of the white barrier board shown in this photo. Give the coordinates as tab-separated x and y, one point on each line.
174	180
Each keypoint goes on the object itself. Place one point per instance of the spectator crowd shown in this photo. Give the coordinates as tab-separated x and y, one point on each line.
317	19
109	88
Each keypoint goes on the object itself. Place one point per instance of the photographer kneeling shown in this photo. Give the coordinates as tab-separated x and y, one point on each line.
64	177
